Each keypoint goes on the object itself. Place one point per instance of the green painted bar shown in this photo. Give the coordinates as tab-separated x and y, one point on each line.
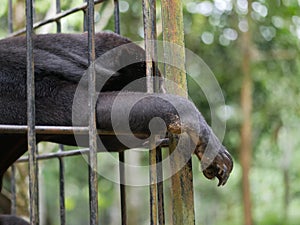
182	181
173	32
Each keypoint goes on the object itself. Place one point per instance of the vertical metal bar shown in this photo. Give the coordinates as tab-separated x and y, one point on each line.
117	16
13	167
85	18
58	10
32	150
93	181
153	180
62	208
122	188
182	182
13	190
121	154
156	190
62	188
149	15
33	11
172	19
160	187
10	17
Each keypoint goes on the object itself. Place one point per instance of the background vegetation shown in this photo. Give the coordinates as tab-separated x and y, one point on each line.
253	50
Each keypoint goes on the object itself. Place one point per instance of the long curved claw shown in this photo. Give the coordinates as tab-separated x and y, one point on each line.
220	167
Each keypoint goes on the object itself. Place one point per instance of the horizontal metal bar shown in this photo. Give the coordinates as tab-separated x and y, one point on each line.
55	18
58	154
22	129
61	154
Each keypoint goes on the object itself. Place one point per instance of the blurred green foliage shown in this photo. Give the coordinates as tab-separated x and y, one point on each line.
213	31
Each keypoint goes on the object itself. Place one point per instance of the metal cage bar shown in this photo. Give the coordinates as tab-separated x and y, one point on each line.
160	187
58	10
182	180
31	135
122	188
85	15
117	16
62	207
149	15
10	17
157	212
153	177
93	174
13	167
182	201
56	17
121	154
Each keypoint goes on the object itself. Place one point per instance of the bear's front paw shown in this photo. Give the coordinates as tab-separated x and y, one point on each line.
220	165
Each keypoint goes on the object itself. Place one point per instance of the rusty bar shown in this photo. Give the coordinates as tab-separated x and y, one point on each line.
31	135
55	18
153	180
160	187
58	10
62	187
172	19
177	216
149	16
182	182
150	33
93	175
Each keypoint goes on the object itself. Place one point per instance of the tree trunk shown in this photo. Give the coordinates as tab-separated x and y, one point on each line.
246	127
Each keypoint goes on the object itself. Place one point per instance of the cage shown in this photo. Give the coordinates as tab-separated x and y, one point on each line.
181	200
